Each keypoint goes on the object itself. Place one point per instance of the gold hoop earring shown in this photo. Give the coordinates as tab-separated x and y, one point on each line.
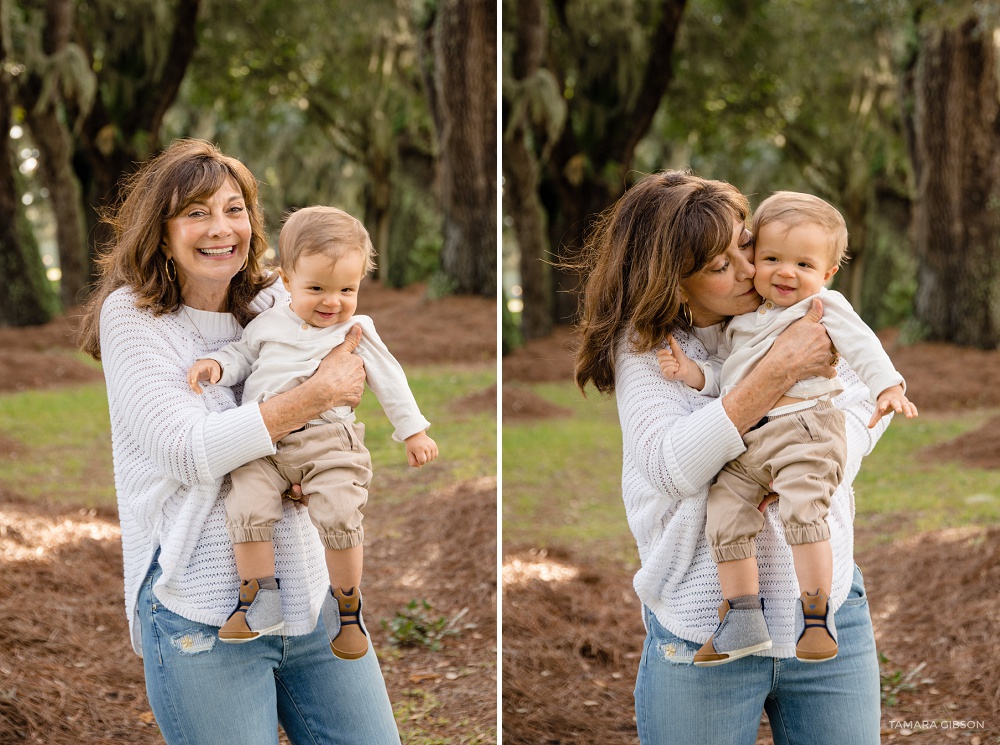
171	270
246	263
685	313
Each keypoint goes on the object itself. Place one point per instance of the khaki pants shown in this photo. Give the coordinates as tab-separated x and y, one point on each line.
333	466
803	454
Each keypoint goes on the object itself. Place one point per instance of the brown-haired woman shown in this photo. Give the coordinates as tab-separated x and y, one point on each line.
673	257
180	278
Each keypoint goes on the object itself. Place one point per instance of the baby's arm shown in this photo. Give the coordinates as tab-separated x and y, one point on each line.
892	398
420	449
209	370
675	365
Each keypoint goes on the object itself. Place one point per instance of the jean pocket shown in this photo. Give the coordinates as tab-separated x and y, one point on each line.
857	595
667	646
184	637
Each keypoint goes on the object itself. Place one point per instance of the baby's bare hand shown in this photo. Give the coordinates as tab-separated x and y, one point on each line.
209	370
420	450
892	400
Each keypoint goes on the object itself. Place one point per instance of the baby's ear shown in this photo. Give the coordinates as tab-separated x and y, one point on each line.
284	278
829	273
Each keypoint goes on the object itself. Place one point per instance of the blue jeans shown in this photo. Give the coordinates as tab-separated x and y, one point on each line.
827	703
205	692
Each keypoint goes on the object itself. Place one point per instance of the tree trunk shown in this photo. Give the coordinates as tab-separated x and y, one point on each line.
957	211
25	296
465	79
584	178
51	132
521	180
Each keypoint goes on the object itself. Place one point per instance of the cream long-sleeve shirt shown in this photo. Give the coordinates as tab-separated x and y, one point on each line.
747	338
279	350
173	451
674	442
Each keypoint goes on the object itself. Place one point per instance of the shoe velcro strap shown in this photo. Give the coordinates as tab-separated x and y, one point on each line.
346	619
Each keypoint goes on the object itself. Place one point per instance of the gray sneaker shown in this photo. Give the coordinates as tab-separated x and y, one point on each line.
341	614
740	633
258	612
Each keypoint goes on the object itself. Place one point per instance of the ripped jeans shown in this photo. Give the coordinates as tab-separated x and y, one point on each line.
828	703
205	692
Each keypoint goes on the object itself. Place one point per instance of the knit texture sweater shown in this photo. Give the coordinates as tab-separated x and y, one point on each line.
674	442
173	450
279	350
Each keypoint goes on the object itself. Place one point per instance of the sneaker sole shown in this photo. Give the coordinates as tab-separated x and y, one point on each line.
817	659
257	636
739	653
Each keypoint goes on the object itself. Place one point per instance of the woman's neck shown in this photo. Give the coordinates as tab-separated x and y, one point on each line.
203	299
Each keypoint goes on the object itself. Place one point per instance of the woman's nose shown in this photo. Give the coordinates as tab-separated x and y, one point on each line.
218	226
744	268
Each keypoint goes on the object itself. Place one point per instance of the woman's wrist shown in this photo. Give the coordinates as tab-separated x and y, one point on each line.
750	399
292	409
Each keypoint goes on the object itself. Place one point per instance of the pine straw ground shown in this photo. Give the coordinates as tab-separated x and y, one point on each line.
67	672
571	622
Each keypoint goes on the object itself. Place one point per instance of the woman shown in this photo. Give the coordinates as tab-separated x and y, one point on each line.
673	256
181	277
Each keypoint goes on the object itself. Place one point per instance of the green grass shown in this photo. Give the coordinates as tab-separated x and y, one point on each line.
561	479
57	444
466	437
562	476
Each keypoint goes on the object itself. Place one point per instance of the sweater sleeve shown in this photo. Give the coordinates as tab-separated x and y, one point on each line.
677	439
387	380
147	389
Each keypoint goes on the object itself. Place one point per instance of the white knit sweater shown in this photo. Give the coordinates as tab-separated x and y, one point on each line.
675	441
173	450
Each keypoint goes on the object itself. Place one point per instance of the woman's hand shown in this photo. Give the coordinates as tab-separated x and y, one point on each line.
338	381
342	372
800	351
804	349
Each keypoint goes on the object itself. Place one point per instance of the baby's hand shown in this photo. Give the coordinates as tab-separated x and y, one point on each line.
892	399
675	365
420	449
209	370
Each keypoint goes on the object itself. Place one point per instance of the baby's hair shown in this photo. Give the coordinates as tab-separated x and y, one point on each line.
792	208
323	230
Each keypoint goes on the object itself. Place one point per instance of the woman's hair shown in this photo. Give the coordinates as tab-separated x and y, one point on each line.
187	171
666	227
323	230
792	208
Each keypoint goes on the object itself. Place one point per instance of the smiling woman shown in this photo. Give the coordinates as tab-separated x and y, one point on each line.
207	244
179	280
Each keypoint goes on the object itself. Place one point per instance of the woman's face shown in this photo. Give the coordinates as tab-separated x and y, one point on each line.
724	286
209	240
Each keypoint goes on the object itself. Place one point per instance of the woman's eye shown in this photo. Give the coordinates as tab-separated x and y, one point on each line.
721	269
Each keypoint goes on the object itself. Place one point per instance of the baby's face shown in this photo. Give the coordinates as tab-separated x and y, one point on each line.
792	265
325	292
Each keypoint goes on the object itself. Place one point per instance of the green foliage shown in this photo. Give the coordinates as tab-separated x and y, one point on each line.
416	626
324	113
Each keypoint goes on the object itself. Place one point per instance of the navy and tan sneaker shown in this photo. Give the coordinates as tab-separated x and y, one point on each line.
344	625
817	640
258	612
741	632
